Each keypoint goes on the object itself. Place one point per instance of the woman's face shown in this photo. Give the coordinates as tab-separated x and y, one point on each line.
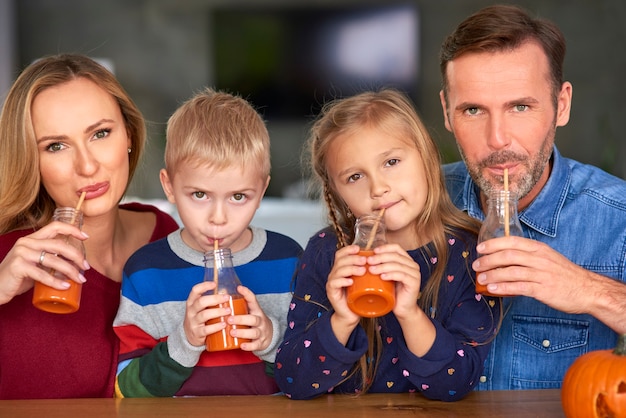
83	145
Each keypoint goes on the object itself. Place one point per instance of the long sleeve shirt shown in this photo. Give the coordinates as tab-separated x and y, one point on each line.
581	213
311	361
45	355
155	357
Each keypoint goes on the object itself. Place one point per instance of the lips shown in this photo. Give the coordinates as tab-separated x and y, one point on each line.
94	190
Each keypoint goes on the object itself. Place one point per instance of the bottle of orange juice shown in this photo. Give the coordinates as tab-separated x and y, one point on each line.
370	296
501	220
54	300
218	266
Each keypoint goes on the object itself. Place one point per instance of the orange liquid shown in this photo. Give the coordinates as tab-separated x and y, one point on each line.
370	296
482	289
53	300
222	340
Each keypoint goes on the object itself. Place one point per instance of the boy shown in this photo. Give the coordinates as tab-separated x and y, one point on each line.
217	166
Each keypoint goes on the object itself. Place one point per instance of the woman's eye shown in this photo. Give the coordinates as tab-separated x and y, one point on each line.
54	147
102	133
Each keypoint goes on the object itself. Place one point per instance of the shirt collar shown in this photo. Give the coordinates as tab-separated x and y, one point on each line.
542	214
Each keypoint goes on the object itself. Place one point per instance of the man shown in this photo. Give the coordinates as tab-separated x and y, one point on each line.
503	98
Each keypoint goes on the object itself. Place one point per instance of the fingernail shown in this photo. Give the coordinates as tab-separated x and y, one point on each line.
82	278
86	265
84	234
480	247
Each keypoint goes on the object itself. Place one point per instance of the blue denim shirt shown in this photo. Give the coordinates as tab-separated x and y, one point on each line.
581	213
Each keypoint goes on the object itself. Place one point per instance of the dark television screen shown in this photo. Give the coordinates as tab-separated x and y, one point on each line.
288	61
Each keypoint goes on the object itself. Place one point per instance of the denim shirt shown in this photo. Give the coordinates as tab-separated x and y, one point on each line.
581	213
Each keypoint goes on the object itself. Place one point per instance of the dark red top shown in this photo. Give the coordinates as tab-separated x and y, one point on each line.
45	355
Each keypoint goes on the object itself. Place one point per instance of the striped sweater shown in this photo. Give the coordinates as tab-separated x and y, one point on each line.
155	357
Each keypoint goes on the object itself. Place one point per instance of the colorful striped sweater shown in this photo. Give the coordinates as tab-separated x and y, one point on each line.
155	357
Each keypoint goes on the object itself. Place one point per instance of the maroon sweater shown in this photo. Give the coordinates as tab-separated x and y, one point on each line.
45	355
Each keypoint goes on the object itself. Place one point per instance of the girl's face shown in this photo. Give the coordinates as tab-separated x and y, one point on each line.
215	205
83	145
372	170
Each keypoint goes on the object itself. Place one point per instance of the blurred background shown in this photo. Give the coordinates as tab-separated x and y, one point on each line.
287	57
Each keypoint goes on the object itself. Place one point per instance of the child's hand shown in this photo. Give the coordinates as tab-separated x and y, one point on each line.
197	314
394	263
259	331
347	264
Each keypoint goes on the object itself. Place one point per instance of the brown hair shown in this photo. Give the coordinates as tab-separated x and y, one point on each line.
218	129
391	112
501	28
24	202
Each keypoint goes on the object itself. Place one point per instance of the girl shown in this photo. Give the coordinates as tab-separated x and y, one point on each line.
371	152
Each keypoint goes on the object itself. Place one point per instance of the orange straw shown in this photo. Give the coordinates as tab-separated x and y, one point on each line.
506	203
370	241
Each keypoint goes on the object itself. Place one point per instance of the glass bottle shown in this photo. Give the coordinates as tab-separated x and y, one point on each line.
369	296
501	220
218	266
54	300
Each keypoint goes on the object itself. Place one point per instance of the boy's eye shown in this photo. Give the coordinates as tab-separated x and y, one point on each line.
199	195
393	161
239	197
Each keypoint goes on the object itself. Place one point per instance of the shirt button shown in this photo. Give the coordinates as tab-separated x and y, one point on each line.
483	379
546	343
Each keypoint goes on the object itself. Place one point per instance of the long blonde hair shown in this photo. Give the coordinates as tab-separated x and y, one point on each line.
389	111
24	202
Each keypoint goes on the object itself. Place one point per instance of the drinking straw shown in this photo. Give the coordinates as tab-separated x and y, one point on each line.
80	203
506	203
215	248
370	241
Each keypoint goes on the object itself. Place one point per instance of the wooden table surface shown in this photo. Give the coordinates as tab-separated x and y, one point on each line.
521	403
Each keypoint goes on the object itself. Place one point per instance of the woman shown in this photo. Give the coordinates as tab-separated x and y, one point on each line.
67	127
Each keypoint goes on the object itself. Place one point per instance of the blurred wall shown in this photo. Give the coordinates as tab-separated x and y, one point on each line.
161	50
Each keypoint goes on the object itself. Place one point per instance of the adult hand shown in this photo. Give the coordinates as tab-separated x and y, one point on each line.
33	257
521	266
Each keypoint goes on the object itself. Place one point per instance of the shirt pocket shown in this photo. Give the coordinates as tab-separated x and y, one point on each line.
544	348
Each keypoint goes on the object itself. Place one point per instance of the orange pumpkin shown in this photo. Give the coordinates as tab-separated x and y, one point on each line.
595	384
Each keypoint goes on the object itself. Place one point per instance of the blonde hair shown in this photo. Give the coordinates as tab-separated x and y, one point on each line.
217	129
391	112
24	202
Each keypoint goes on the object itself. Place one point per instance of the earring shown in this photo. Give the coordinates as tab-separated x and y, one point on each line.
130	150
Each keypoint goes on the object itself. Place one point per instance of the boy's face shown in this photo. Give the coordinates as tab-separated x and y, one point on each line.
215	205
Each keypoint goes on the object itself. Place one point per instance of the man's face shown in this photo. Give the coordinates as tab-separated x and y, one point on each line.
501	111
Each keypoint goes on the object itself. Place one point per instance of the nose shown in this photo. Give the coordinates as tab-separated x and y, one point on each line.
218	214
497	133
378	186
85	161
